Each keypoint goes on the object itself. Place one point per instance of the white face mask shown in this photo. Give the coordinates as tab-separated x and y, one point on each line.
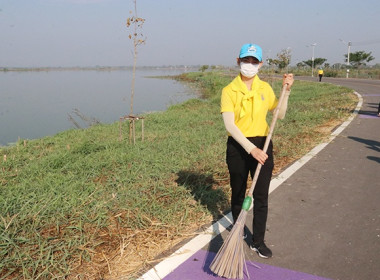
248	69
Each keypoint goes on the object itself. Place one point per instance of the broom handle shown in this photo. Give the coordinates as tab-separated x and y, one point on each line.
267	141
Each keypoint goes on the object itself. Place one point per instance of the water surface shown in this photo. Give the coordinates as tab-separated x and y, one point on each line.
37	104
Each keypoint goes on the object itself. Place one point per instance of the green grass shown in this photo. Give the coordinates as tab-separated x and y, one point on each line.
67	199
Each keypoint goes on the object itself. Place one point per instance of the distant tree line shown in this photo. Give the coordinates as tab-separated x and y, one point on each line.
357	60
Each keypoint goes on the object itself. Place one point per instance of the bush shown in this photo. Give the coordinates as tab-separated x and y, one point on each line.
331	73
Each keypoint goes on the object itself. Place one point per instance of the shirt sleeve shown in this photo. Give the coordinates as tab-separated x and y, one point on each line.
273	99
226	103
234	131
284	106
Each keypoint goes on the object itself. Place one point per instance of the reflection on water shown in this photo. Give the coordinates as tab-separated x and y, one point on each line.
36	104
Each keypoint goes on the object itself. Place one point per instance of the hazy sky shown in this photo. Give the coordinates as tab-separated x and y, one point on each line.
93	32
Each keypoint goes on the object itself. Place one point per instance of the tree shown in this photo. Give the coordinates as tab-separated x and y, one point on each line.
203	68
317	62
359	58
138	39
283	59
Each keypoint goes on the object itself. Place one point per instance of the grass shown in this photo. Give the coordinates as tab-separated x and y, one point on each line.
84	205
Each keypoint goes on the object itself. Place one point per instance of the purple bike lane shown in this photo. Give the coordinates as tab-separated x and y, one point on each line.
197	267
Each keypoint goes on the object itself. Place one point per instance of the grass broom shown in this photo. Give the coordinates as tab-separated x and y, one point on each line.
229	262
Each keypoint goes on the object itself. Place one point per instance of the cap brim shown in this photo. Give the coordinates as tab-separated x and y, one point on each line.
249	54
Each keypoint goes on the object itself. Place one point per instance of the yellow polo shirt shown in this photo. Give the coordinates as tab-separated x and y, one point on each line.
249	106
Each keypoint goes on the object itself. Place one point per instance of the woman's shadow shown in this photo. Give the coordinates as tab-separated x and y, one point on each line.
204	189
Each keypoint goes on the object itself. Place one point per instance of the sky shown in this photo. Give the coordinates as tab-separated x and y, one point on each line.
66	33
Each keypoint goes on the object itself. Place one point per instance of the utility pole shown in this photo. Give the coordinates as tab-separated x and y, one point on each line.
348	58
312	58
349	44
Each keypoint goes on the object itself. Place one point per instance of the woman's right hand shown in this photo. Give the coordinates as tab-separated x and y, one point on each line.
259	155
288	80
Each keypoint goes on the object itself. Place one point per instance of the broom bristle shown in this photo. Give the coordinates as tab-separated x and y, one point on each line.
229	262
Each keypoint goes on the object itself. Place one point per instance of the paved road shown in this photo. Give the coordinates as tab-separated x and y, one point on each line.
324	220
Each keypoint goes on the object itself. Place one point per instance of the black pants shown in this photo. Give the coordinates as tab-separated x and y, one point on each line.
240	164
320	77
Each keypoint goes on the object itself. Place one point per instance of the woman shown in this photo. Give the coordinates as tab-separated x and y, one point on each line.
320	74
244	106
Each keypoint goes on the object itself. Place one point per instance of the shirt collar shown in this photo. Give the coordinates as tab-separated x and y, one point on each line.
238	84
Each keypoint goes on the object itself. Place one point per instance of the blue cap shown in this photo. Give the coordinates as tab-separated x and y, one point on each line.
251	50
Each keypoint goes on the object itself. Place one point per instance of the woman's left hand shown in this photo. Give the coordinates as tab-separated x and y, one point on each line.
288	79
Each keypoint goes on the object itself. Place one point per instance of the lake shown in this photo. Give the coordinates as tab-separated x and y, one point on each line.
36	104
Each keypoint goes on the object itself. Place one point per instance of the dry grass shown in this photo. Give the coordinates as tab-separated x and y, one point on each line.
129	252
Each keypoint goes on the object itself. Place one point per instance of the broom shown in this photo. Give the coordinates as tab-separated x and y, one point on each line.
229	262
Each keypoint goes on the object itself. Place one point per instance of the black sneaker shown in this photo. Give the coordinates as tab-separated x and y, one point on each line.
262	250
